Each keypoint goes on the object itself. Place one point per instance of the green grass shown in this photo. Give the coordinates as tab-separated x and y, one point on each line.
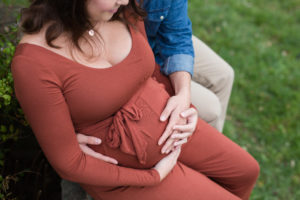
261	41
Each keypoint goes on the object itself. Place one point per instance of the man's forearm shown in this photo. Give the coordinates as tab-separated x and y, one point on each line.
181	82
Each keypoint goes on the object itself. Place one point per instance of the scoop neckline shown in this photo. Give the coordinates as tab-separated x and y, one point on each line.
129	55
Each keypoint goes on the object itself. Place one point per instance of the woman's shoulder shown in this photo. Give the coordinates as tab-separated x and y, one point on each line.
26	40
35	38
38	39
29	53
31	60
26	51
33	47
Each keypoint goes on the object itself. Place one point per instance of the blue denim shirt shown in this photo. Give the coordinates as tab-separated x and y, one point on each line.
169	32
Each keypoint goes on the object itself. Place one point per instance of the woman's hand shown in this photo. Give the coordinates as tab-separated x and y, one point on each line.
165	165
84	140
187	130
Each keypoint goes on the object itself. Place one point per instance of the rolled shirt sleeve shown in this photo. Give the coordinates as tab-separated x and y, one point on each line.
178	62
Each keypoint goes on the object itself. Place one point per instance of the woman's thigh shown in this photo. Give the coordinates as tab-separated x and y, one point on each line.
214	155
182	183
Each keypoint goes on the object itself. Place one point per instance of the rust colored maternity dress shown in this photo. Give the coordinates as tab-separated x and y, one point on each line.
121	105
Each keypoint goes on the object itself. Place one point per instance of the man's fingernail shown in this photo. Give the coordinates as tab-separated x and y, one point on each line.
162	118
98	141
159	142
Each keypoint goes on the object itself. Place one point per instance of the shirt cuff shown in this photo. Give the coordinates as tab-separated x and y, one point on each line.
178	62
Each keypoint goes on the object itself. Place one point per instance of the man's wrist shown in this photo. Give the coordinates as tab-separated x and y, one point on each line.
181	82
184	91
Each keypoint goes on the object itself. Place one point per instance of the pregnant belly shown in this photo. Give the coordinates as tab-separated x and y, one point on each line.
132	134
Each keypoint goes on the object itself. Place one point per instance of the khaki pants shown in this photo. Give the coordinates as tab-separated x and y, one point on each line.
210	92
211	85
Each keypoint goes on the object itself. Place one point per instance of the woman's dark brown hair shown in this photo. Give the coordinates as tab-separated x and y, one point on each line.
68	16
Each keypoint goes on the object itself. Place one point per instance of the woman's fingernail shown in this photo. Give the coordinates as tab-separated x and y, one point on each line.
162	118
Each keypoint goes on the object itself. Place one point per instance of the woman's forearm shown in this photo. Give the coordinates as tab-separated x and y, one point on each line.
48	114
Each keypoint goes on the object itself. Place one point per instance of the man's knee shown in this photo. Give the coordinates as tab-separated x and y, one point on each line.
206	102
212	112
228	73
210	69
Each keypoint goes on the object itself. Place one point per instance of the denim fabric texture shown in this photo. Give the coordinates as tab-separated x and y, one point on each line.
169	32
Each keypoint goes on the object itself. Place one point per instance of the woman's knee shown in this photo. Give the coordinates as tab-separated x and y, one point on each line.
250	171
254	170
246	179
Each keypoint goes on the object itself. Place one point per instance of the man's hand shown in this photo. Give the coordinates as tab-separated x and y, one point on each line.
176	104
84	140
181	83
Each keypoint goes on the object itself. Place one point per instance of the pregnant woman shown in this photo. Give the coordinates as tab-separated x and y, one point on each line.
86	66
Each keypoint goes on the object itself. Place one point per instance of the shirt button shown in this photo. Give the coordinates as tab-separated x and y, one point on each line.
162	17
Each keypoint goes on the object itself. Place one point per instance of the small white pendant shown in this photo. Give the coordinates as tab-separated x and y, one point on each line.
91	32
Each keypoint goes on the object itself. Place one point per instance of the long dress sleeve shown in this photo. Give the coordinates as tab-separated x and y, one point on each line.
40	95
